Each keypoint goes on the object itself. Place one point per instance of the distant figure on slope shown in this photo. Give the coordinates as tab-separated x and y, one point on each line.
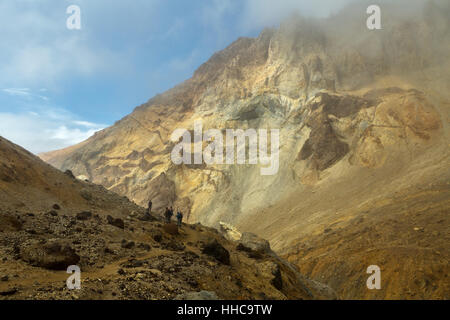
167	215
149	210
170	214
179	218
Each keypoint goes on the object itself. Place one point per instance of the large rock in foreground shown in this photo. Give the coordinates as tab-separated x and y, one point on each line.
53	256
216	250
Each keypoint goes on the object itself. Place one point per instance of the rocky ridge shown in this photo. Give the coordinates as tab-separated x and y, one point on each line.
50	220
363	116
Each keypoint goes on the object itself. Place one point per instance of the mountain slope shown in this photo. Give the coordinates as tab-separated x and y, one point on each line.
49	221
362	115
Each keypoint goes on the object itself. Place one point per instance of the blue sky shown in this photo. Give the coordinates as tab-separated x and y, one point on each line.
59	86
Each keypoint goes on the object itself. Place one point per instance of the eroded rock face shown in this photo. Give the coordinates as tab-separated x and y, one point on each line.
229	232
360	114
324	98
272	271
162	192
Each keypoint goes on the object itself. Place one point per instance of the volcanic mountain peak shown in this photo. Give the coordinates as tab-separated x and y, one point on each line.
362	115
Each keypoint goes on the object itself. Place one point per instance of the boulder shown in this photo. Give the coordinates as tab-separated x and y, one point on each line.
53	213
116	222
157	237
85	215
144	246
54	255
127	244
254	243
217	251
173	246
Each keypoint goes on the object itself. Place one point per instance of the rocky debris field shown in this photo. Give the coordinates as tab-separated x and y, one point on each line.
49	220
135	259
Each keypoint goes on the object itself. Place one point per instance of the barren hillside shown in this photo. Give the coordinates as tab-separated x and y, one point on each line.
364	134
50	221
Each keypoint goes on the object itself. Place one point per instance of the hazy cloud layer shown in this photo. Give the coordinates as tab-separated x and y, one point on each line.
261	13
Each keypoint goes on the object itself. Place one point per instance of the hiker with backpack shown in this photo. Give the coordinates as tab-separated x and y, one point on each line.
179	218
167	215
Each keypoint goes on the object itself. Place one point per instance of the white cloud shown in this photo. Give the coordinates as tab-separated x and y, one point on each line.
37	49
25	93
253	15
86	124
70	136
45	130
17	91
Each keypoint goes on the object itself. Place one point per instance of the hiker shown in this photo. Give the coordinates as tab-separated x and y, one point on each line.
149	210
170	214
179	217
167	215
